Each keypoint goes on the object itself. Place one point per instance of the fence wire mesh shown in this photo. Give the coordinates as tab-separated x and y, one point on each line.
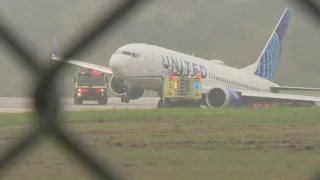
46	97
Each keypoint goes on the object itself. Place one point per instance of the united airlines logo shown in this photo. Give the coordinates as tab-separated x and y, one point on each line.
269	60
172	64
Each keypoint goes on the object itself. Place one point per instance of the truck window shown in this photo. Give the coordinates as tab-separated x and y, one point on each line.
88	80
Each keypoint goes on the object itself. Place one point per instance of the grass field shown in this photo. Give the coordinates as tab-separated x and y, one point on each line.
179	144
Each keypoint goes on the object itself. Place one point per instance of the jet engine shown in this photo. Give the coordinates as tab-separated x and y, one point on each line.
135	93
218	97
118	88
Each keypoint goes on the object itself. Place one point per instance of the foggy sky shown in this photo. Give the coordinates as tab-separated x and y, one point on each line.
234	31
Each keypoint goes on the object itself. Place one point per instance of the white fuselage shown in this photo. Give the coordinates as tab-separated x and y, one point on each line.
143	65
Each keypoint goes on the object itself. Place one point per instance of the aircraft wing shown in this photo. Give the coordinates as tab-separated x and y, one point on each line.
276	89
262	96
87	65
279	96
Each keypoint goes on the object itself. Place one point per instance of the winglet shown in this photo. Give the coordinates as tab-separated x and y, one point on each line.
55	46
55	54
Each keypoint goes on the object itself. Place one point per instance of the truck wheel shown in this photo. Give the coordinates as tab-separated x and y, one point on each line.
159	105
103	101
166	103
78	101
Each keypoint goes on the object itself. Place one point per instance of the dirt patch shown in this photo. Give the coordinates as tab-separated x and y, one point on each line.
231	145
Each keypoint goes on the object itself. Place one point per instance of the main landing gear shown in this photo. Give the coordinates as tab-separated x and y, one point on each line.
125	98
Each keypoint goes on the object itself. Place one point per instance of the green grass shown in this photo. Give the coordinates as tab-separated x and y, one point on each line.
178	144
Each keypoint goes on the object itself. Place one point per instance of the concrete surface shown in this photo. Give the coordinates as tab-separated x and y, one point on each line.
25	104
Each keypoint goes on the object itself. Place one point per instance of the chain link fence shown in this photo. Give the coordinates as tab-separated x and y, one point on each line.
46	97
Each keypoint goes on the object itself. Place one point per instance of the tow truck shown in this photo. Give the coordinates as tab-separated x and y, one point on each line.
181	90
90	86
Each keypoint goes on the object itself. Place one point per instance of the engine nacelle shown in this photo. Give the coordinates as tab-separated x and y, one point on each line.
136	93
118	88
218	62
218	97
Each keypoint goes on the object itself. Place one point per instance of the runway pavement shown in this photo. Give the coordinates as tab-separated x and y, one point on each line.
17	104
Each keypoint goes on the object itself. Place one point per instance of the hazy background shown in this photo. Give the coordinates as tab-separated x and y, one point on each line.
232	30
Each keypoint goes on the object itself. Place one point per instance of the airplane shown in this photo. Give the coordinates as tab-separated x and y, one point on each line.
137	67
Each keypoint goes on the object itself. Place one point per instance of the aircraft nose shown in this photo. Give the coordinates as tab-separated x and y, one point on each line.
116	63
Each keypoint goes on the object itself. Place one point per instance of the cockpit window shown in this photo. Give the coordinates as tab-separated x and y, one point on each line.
136	55
127	53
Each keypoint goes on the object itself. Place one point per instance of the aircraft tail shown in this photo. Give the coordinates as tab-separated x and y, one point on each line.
267	63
